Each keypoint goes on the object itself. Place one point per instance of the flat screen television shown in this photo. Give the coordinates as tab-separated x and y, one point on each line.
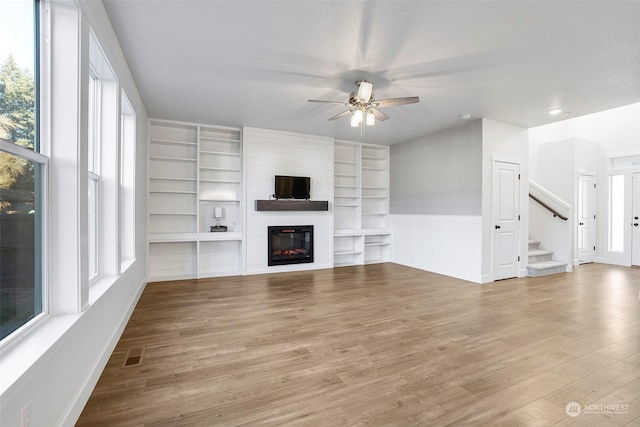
292	187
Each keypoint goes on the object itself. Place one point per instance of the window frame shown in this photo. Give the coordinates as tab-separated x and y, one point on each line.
126	183
94	146
36	157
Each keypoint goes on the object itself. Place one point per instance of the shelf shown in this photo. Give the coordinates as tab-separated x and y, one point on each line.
171	192
167	141
364	205
172	159
159	178
292	205
347	253
213	138
220	169
172	237
219	236
220	153
193	169
345	162
220	181
173	213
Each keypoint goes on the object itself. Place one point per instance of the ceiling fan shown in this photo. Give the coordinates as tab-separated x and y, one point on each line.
363	107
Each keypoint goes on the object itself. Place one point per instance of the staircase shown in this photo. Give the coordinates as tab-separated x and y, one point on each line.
540	262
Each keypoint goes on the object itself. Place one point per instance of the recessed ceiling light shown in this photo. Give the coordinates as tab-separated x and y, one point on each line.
465	116
555	111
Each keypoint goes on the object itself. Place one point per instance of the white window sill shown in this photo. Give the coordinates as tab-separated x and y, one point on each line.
20	360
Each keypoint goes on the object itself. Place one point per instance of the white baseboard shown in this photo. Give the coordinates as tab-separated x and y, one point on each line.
486	278
82	397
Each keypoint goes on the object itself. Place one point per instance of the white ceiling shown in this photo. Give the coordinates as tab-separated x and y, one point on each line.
255	63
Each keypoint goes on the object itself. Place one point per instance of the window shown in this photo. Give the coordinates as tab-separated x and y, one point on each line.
127	180
616	213
22	170
102	166
93	148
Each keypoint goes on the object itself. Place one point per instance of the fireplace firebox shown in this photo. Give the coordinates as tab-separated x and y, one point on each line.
290	244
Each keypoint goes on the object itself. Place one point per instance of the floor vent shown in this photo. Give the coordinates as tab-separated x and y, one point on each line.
134	357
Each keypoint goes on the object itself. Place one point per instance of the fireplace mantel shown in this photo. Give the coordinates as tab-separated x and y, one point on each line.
292	205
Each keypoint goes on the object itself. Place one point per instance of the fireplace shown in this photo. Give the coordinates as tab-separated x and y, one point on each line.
290	244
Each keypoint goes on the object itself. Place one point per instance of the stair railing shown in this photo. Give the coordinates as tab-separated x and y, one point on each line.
554	204
549	208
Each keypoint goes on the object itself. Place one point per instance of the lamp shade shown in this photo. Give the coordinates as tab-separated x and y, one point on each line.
217	212
371	119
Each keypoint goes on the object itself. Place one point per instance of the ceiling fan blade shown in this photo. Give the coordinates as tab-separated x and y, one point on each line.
365	90
337	116
379	115
390	102
328	102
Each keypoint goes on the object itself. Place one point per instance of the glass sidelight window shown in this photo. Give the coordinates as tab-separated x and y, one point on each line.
616	213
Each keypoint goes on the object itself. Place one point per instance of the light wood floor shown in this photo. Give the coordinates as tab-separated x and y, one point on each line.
379	345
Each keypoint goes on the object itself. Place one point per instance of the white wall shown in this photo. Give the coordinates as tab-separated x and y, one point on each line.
443	244
436	201
268	153
477	145
615	132
503	142
438	174
54	367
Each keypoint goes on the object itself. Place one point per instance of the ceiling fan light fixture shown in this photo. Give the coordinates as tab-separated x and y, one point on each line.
365	90
358	116
363	108
370	118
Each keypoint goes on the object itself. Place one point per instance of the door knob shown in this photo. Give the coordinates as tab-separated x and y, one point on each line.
497	227
635	224
582	223
635	217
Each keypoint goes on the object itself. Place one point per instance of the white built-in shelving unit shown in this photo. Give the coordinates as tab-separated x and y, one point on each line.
361	204
193	169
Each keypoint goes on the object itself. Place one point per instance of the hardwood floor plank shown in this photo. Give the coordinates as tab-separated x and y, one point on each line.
380	344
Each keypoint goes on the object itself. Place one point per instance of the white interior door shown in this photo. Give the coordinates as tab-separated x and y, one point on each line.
635	219
506	219
586	218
